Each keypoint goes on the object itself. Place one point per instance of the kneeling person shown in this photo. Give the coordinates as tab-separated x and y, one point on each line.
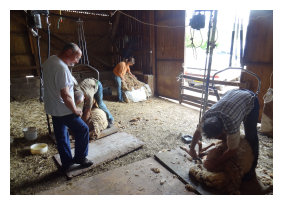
97	120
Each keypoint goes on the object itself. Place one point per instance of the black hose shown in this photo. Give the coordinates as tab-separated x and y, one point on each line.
48	55
40	69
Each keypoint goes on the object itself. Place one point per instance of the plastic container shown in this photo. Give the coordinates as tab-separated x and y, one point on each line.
39	148
30	133
187	138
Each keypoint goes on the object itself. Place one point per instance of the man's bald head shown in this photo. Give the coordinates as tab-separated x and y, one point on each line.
71	46
70	54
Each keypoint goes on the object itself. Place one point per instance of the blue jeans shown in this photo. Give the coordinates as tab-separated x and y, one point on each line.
81	133
99	99
119	88
250	125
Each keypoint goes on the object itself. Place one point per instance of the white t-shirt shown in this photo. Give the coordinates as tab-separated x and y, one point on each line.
56	75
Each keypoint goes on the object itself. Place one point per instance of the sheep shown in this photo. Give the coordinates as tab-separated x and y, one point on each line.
228	179
96	123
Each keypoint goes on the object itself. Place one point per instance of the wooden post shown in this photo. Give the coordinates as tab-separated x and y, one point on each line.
152	48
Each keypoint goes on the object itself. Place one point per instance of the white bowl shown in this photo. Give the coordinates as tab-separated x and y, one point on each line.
30	133
39	148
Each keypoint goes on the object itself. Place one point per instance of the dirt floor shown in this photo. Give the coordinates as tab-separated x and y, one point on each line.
157	122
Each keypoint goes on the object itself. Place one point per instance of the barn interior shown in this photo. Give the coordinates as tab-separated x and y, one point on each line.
160	41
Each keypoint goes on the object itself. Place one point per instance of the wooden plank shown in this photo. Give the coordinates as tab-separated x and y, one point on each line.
216	82
196	99
103	133
105	149
191	103
177	162
107	132
134	179
198	90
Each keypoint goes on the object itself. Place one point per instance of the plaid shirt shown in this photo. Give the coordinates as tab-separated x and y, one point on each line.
232	108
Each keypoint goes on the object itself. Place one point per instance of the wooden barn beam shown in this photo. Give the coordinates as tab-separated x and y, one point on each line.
115	25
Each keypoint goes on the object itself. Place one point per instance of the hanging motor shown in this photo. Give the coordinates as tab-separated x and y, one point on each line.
34	20
197	21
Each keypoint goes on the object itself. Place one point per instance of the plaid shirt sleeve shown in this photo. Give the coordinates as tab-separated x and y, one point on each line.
232	109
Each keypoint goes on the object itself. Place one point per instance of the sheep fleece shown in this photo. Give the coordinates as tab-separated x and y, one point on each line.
229	179
97	122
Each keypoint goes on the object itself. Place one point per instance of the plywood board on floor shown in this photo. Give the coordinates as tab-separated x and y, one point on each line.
108	131
178	163
105	149
103	133
133	179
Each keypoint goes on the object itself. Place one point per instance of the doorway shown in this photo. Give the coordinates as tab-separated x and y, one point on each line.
229	42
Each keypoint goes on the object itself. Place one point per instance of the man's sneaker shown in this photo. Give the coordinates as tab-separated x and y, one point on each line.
85	162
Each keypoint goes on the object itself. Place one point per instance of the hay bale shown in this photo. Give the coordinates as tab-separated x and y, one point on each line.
97	123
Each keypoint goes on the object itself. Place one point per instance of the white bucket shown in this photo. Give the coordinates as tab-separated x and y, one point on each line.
39	148
30	133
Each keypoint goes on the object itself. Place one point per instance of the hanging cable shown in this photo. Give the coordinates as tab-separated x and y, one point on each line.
60	20
149	24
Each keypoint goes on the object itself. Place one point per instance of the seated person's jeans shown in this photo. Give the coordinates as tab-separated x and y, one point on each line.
99	99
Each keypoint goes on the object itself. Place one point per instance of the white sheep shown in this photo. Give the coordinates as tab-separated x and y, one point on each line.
229	178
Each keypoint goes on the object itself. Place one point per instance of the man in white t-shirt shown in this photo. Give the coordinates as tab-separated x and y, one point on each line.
223	120
59	103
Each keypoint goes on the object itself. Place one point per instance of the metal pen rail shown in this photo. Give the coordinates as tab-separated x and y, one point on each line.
235	68
89	66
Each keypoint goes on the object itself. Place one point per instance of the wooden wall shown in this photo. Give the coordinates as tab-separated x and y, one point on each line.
24	57
169	51
21	54
258	54
133	38
107	37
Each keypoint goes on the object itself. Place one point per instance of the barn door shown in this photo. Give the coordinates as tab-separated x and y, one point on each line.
169	52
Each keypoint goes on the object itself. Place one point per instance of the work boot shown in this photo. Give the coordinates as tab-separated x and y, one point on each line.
84	162
110	124
67	168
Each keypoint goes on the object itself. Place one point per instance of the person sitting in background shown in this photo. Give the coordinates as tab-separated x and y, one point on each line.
119	72
93	91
